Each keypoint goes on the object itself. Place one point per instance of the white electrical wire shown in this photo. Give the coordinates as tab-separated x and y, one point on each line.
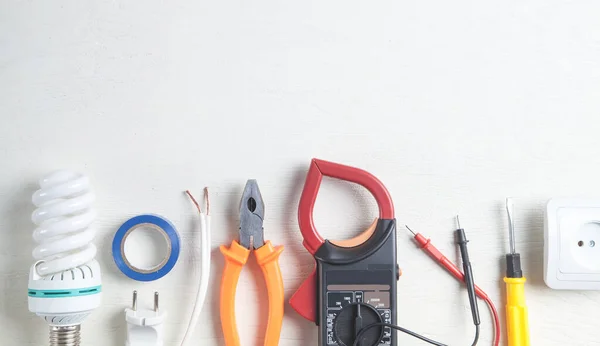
205	267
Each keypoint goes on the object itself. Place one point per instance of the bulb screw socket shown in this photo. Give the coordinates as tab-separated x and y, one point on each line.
65	335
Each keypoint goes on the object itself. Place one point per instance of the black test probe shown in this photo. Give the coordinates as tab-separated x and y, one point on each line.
461	240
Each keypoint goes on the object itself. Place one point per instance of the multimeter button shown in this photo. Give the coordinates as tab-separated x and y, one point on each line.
398	272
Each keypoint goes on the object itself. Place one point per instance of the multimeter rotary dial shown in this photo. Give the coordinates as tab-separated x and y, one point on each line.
352	319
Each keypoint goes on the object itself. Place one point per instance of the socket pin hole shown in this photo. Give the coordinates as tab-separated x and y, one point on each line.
592	243
580	243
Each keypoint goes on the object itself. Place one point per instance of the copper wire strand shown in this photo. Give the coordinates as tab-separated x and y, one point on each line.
194	201
207	200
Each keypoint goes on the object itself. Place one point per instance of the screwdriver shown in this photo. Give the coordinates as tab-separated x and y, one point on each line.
517	324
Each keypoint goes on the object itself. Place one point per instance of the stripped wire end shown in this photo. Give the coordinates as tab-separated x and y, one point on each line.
194	201
203	228
206	200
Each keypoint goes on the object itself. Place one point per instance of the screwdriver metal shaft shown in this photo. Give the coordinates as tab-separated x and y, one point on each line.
517	323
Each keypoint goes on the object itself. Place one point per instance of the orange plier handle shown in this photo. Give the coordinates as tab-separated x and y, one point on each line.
267	257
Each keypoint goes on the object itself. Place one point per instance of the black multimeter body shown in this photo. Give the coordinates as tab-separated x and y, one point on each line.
356	286
351	295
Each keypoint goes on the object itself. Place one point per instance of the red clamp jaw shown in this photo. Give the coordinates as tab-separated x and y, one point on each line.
304	300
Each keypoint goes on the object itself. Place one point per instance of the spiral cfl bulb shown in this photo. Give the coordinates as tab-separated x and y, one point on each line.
65	281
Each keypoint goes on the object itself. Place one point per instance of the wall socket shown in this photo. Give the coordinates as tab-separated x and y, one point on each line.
572	244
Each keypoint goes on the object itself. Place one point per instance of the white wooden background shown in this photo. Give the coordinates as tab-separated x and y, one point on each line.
454	105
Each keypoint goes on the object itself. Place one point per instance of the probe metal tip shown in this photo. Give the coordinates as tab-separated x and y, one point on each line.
134	304
408	228
156	301
458	222
511	224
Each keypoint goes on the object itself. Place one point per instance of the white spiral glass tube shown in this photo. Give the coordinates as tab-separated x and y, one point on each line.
63	216
65	282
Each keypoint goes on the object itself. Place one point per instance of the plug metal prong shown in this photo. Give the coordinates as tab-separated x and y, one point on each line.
134	304
156	301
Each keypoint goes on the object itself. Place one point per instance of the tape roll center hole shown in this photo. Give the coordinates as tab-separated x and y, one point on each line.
146	248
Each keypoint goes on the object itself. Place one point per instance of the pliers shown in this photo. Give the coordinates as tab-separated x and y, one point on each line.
252	211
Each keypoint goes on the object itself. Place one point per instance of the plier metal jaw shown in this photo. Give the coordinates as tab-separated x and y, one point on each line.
252	214
251	238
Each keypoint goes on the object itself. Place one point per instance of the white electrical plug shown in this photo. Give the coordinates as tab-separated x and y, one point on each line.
144	326
572	244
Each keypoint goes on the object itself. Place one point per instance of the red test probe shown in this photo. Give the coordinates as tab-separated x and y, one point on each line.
435	254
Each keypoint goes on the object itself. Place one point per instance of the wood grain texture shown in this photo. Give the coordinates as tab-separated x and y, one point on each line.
453	105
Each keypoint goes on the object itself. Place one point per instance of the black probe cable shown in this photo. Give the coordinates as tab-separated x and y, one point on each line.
393	326
469	281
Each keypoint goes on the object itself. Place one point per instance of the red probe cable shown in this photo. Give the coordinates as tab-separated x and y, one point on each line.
426	245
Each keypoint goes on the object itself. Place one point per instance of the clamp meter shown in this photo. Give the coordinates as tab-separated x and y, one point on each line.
354	283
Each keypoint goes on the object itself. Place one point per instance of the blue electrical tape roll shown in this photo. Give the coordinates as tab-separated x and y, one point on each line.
159	224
